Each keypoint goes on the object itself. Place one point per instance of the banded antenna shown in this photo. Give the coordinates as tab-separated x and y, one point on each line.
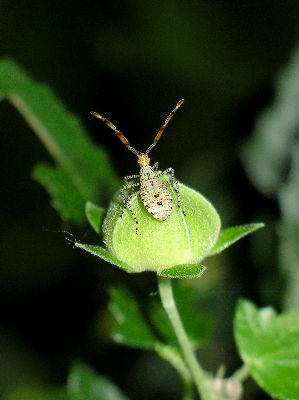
161	130
125	141
118	133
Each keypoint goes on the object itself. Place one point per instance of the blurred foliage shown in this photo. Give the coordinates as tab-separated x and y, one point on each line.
133	330
131	61
271	157
83	384
83	173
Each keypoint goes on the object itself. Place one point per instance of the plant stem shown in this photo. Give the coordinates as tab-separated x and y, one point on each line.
241	374
198	374
173	357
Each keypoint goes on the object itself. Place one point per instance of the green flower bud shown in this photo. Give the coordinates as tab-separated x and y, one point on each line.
159	245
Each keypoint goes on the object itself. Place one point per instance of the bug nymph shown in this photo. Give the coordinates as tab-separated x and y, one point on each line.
154	193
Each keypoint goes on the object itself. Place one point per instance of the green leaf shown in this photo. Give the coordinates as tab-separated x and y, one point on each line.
95	216
131	330
66	198
198	327
189	271
85	384
269	346
104	254
231	235
80	164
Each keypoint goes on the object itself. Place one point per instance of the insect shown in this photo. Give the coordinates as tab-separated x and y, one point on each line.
154	193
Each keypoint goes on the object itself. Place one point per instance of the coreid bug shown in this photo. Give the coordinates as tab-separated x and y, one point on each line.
154	193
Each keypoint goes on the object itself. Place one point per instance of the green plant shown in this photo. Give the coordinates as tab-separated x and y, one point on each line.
267	343
271	159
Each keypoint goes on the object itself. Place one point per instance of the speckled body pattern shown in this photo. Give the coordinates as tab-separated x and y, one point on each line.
154	194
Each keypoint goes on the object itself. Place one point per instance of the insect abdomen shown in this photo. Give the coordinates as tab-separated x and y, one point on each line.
155	196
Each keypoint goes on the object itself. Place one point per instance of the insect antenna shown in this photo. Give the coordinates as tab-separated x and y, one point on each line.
69	236
120	135
161	130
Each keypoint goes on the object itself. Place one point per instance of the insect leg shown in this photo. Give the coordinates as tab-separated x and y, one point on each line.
174	183
128	198
128	204
156	166
125	189
129	177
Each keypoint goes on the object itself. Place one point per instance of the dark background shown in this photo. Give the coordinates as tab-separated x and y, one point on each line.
132	61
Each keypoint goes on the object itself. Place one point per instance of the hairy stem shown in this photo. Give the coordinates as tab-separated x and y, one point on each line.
198	374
